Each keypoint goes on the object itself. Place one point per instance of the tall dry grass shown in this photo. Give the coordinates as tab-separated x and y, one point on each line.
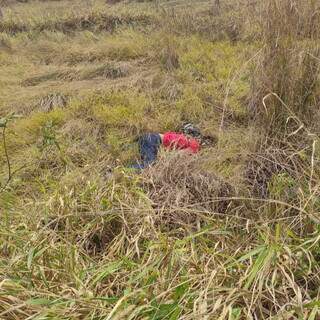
286	84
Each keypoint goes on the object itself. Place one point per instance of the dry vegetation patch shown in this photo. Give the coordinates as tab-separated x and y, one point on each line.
180	189
231	233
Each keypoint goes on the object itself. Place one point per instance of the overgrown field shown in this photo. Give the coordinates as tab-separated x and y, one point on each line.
231	233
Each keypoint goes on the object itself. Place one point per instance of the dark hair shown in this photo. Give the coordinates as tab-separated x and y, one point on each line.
191	130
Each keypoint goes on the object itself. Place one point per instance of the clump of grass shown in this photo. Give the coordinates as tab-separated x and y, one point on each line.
285	93
179	190
52	101
169	55
269	162
288	79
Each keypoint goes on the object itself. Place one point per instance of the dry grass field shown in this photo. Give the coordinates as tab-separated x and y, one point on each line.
231	233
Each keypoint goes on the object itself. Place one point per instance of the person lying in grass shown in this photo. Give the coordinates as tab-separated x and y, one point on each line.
190	140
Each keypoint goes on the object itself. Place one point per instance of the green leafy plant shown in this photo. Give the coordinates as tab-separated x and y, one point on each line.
49	139
49	136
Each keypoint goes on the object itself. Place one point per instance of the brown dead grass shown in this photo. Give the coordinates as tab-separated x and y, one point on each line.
94	21
179	189
269	160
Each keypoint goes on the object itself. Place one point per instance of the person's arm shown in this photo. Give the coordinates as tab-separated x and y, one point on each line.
194	145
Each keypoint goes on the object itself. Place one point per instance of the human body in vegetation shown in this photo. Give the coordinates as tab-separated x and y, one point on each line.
190	140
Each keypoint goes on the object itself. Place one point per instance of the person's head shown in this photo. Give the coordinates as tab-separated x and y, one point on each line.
190	130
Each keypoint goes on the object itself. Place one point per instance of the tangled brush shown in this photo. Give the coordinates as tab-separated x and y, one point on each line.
270	161
183	193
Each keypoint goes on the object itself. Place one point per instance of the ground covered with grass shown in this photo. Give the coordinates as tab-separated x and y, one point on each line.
231	233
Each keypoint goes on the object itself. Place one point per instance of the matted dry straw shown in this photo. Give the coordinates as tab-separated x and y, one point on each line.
183	193
270	161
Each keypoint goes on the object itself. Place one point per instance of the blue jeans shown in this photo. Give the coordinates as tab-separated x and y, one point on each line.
148	147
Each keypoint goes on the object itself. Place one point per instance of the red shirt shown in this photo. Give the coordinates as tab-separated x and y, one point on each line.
173	140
